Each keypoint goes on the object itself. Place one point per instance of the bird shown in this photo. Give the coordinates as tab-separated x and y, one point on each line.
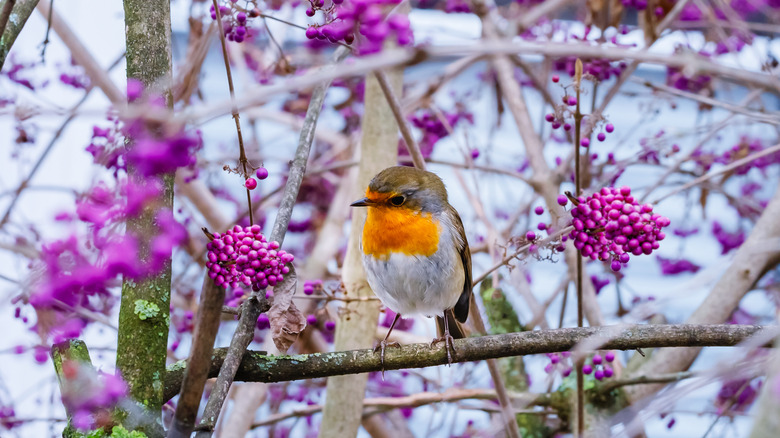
415	252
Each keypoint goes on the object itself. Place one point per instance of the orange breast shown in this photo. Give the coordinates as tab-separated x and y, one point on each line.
399	230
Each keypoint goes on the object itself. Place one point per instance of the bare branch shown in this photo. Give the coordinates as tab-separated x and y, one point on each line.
260	367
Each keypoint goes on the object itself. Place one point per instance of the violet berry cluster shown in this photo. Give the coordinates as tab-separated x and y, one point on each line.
598	365
243	257
344	19
611	225
600	69
311	286
251	183
434	129
234	21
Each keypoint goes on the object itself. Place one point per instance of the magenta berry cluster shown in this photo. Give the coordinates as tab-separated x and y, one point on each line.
344	19
234	21
457	6
610	225
600	69
311	286
435	129
599	365
242	257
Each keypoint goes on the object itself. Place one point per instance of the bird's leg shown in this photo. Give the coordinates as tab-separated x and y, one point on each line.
383	344
449	342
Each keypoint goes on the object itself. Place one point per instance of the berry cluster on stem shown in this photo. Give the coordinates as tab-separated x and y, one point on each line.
610	225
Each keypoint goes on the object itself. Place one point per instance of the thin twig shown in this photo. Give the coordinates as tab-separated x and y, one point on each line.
522	249
406	132
739	109
98	76
578	271
642	380
720	171
415	400
26	181
234	111
46	41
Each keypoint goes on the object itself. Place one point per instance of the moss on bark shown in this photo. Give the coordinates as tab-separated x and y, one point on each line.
143	332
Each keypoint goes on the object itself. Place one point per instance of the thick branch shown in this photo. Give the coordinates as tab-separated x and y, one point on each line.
260	367
142	343
13	16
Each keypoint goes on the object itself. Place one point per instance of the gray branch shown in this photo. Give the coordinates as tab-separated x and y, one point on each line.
261	367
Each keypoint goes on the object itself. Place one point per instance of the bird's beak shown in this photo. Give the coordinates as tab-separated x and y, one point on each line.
364	202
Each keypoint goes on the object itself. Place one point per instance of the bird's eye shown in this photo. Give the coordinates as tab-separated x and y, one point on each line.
397	200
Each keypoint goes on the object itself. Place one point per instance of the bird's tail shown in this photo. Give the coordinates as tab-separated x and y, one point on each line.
457	331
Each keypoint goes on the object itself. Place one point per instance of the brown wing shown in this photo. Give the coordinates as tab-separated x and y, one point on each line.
461	309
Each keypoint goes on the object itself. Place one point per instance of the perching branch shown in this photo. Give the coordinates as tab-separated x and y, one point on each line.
261	367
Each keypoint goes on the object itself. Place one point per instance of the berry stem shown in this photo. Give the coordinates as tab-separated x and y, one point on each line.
577	192
234	111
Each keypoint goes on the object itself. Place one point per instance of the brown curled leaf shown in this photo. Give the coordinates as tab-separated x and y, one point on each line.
287	321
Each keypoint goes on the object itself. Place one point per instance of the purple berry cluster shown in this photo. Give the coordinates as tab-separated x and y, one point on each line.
598	366
434	129
600	69
242	256
639	5
564	116
611	225
457	6
251	183
311	286
344	19
234	21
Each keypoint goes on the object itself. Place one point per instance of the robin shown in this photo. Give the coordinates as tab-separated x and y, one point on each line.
415	253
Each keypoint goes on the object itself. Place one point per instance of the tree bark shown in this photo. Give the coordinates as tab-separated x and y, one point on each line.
258	366
12	24
356	326
142	343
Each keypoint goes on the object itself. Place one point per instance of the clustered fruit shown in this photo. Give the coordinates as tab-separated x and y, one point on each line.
611	225
599	365
242	257
345	19
234	21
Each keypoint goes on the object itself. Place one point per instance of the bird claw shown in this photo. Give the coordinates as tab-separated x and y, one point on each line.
449	345
381	346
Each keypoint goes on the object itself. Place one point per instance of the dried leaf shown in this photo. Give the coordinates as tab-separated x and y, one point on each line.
287	321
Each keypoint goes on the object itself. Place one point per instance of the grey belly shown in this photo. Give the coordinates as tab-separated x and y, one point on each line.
416	285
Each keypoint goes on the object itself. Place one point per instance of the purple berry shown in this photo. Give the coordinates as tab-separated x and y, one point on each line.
262	173
530	235
609	128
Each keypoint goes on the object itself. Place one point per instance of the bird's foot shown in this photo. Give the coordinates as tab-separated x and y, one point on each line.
449	345
381	346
